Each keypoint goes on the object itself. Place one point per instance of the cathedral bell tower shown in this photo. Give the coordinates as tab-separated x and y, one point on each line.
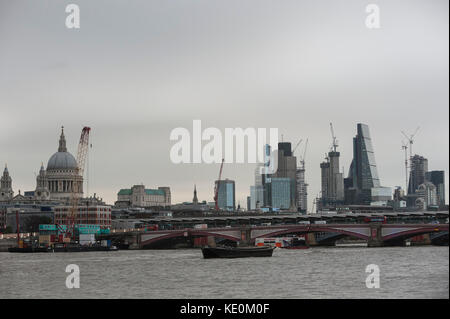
6	192
41	192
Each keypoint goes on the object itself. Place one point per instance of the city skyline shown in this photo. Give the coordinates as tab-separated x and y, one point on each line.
167	65
175	201
224	157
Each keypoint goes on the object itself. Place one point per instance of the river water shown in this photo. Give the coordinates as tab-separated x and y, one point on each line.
333	272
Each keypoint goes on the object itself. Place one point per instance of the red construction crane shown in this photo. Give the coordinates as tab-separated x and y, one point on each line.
83	146
216	187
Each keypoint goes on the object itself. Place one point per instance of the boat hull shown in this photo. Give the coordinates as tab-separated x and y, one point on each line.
28	250
295	247
236	252
60	249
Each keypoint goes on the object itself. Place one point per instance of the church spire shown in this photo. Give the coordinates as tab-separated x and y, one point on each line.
195	199
62	141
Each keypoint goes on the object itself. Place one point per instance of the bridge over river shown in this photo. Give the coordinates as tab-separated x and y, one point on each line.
376	234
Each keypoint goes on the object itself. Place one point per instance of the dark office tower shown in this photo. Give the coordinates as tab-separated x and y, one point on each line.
332	181
226	195
302	190
418	168
438	180
265	178
286	148
287	168
363	174
349	191
324	172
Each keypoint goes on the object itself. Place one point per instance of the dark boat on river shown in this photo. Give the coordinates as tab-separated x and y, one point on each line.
57	248
28	249
237	252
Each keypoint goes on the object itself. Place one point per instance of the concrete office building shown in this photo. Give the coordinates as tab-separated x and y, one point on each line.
418	169
426	196
29	216
332	181
139	196
86	214
324	173
302	190
438	180
287	168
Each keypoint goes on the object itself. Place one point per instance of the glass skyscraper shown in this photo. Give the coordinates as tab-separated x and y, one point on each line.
363	181
226	195
280	190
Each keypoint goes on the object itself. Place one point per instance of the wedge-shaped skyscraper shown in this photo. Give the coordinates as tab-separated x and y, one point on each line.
362	186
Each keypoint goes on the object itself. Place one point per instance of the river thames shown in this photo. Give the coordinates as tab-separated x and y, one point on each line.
337	272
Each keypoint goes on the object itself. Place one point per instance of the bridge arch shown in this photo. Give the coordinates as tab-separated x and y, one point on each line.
154	237
362	233
409	233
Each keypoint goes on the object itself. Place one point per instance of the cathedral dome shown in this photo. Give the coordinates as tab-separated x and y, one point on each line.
62	160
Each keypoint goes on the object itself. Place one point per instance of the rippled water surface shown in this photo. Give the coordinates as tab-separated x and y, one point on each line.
406	272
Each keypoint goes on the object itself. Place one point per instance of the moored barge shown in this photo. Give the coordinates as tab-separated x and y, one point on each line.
237	252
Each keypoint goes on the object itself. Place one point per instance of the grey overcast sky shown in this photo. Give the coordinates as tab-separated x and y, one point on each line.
137	69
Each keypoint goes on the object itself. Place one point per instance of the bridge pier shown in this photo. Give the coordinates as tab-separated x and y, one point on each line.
246	237
211	241
311	239
439	239
375	238
421	240
135	242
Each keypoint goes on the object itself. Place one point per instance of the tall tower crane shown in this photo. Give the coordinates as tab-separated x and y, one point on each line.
293	150
302	160
405	148
216	187
83	146
335	142
411	140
